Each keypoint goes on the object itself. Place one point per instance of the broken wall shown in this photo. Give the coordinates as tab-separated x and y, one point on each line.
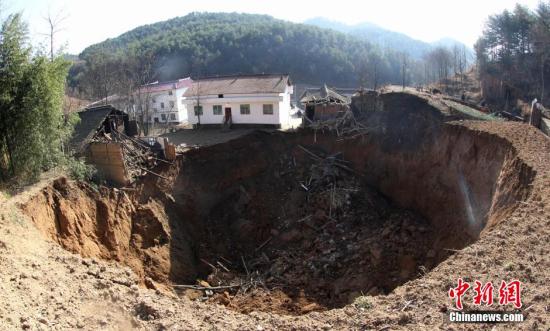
109	160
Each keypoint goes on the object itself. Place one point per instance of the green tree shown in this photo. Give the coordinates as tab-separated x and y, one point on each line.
32	125
204	44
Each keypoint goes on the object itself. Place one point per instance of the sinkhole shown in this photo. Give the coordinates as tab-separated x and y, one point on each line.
298	222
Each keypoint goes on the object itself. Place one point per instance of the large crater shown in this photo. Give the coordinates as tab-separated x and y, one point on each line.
297	222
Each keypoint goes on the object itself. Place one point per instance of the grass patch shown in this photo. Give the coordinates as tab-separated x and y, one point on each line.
362	302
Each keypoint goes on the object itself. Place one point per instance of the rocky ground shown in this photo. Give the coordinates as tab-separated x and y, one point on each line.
44	287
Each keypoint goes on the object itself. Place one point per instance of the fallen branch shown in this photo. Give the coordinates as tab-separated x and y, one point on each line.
245	268
310	153
152	173
222	266
264	243
304	219
204	288
210	265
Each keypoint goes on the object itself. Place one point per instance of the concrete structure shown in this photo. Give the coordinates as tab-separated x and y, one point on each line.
242	100
165	101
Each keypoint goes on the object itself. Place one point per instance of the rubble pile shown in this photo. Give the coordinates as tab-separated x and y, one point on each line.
344	240
139	157
346	126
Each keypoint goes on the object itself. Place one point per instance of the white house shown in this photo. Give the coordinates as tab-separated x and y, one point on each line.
165	101
242	100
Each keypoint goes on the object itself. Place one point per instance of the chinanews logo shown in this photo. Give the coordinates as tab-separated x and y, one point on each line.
508	295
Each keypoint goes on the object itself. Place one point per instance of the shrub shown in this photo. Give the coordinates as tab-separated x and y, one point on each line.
80	170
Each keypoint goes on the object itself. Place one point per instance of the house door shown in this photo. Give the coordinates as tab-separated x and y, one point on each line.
310	112
227	114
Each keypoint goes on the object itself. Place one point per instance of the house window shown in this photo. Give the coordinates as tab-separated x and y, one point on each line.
171	104
162	105
155	110
217	109
153	99
172	117
163	117
268	109
170	92
198	110
245	109
220	96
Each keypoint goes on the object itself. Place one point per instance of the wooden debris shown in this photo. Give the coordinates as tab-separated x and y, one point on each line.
264	243
139	157
203	288
345	126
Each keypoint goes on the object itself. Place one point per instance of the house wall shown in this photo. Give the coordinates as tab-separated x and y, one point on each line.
280	102
289	119
179	109
109	160
325	111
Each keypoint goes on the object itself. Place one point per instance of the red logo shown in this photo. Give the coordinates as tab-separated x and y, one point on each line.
458	292
483	293
508	293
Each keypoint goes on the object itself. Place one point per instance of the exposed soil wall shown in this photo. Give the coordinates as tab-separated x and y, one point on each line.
109	224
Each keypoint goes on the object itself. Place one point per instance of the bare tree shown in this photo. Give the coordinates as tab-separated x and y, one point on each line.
374	60
55	22
198	107
455	63
404	64
139	72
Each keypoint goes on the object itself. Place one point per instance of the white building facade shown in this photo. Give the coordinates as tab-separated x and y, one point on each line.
242	100
164	101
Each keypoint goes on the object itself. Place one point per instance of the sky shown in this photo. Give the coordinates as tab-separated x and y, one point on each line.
91	21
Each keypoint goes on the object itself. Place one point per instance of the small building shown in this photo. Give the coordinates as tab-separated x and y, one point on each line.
242	100
104	138
323	103
163	102
103	118
107	158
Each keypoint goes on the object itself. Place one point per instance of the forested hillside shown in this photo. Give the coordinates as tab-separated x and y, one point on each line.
385	38
208	44
205	44
202	44
514	55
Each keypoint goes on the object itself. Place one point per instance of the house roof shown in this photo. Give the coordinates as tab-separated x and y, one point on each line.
239	84
169	85
90	121
323	95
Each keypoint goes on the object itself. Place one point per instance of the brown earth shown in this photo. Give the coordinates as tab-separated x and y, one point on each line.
425	202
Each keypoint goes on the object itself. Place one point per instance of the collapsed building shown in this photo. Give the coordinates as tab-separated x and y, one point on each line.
323	103
106	139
